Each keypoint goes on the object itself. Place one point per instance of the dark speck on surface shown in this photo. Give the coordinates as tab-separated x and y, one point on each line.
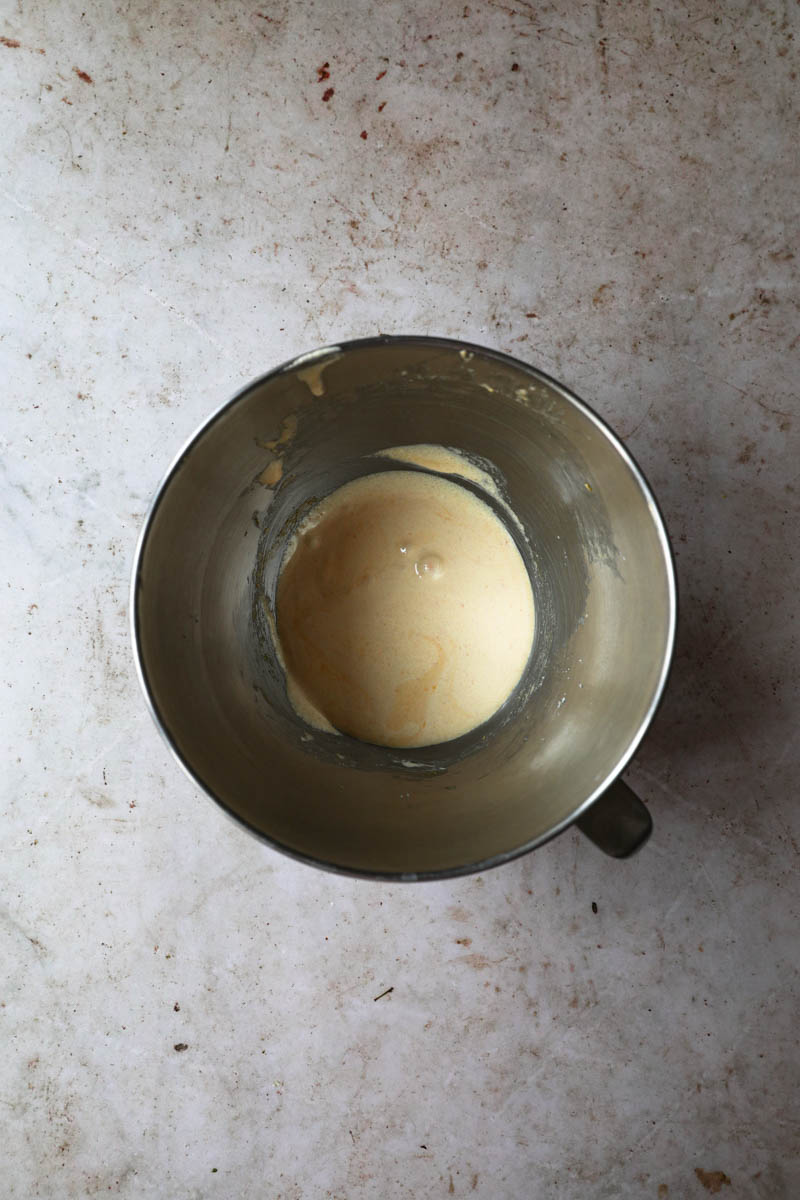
594	906
180	1046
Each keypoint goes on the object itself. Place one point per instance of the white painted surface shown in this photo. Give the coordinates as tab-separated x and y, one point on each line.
621	211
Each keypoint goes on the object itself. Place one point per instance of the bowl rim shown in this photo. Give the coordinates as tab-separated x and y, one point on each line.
305	360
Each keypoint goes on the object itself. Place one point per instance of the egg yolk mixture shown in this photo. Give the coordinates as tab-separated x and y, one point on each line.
405	612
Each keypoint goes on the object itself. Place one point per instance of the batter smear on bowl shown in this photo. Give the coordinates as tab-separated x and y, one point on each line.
404	611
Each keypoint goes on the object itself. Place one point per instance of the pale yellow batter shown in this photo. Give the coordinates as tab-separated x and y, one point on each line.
404	610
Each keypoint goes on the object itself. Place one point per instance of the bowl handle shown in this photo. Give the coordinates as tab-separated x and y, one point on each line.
618	822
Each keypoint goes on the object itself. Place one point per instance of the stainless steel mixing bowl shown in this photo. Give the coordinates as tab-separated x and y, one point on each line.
202	610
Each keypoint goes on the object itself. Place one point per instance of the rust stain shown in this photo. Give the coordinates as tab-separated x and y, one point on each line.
746	454
84	75
479	962
364	134
323	72
380	76
712	1181
456	913
663	1191
12	43
326	95
97	798
599	297
465	941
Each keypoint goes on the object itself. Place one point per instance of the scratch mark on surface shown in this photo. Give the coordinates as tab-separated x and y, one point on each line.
84	247
601	45
69	793
776	412
624	436
14	924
